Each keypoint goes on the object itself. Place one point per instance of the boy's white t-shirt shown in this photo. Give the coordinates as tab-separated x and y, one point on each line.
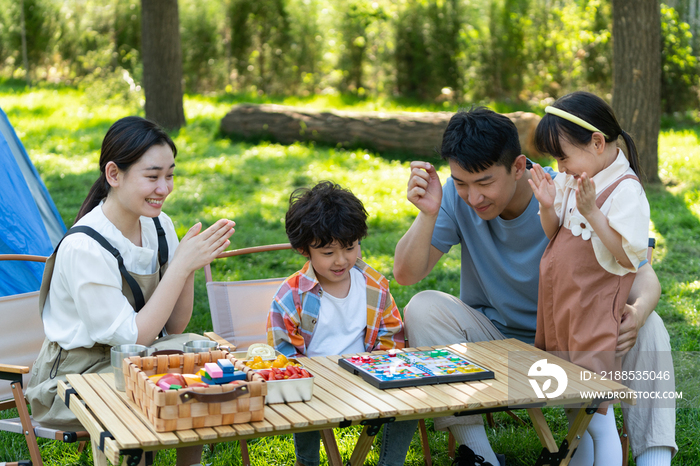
342	322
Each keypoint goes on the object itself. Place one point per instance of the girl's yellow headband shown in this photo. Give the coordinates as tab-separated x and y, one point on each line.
572	118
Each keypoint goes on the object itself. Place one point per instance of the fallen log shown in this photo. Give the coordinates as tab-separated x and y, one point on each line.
418	133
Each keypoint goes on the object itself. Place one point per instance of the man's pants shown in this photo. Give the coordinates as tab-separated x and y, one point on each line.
437	318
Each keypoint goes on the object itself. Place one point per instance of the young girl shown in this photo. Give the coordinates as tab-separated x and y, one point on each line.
119	275
596	216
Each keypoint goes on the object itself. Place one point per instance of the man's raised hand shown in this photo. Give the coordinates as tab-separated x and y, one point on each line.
424	188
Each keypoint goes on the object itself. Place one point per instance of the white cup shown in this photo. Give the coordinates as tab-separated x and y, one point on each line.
119	353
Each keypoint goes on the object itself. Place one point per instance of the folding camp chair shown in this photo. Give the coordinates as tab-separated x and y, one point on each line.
21	337
239	316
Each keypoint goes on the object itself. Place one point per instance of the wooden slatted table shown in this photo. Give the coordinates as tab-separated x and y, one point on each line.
117	427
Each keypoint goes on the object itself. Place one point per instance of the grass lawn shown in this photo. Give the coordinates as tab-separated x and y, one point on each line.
250	182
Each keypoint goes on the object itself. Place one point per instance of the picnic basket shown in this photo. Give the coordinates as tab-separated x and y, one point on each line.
192	408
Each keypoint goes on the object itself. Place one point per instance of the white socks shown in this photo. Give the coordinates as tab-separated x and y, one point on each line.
474	436
600	444
655	456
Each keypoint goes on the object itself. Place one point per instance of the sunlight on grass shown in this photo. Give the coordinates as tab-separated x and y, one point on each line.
75	165
678	159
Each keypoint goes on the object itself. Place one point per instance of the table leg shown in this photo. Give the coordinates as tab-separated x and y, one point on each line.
551	454
331	447
542	429
364	443
576	431
245	456
424	441
98	456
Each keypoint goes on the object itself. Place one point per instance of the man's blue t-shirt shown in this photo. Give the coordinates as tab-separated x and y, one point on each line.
500	261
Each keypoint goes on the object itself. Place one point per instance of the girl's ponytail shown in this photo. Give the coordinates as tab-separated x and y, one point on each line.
97	192
633	156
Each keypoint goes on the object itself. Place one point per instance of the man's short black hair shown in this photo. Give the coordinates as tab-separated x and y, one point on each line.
323	214
478	138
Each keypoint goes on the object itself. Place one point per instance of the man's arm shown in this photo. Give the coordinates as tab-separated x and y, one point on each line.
415	256
642	300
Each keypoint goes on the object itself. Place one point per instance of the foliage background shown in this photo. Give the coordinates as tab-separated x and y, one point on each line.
520	52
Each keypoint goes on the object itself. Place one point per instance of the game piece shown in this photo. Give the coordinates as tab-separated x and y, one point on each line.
225	365
213	370
226	378
170	380
408	369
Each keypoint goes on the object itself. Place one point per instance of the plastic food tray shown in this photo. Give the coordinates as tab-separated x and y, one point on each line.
289	391
283	391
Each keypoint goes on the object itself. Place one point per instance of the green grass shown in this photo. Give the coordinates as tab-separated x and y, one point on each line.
250	182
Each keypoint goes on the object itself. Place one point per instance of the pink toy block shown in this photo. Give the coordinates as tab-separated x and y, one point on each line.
213	370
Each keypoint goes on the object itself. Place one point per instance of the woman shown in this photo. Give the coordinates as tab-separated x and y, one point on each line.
119	275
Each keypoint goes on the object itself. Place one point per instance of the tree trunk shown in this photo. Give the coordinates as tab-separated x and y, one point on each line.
23	30
637	76
162	62
417	133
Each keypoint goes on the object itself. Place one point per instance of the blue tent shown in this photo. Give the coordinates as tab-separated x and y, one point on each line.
29	220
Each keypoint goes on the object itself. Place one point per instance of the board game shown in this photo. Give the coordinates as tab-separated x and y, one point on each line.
410	369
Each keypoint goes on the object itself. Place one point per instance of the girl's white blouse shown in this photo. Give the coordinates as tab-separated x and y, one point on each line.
627	210
85	304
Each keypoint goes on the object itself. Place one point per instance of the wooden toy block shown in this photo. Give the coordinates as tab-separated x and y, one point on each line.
238	375
213	370
226	366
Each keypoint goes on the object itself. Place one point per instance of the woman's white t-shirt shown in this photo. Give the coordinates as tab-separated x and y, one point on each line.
85	304
342	322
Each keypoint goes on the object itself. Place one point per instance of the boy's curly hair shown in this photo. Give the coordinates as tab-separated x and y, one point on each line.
323	214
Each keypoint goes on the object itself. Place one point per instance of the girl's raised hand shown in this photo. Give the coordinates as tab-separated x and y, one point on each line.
198	248
543	186
585	195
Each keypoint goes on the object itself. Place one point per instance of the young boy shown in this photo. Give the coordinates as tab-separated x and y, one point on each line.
336	304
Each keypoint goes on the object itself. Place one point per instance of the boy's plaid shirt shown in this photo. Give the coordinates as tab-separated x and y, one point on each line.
294	312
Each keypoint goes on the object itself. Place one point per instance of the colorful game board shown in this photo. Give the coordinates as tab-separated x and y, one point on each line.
410	369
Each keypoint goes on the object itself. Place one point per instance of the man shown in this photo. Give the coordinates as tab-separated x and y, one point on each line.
488	207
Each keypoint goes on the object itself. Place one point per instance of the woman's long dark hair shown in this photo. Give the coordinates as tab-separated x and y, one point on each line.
592	109
124	144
